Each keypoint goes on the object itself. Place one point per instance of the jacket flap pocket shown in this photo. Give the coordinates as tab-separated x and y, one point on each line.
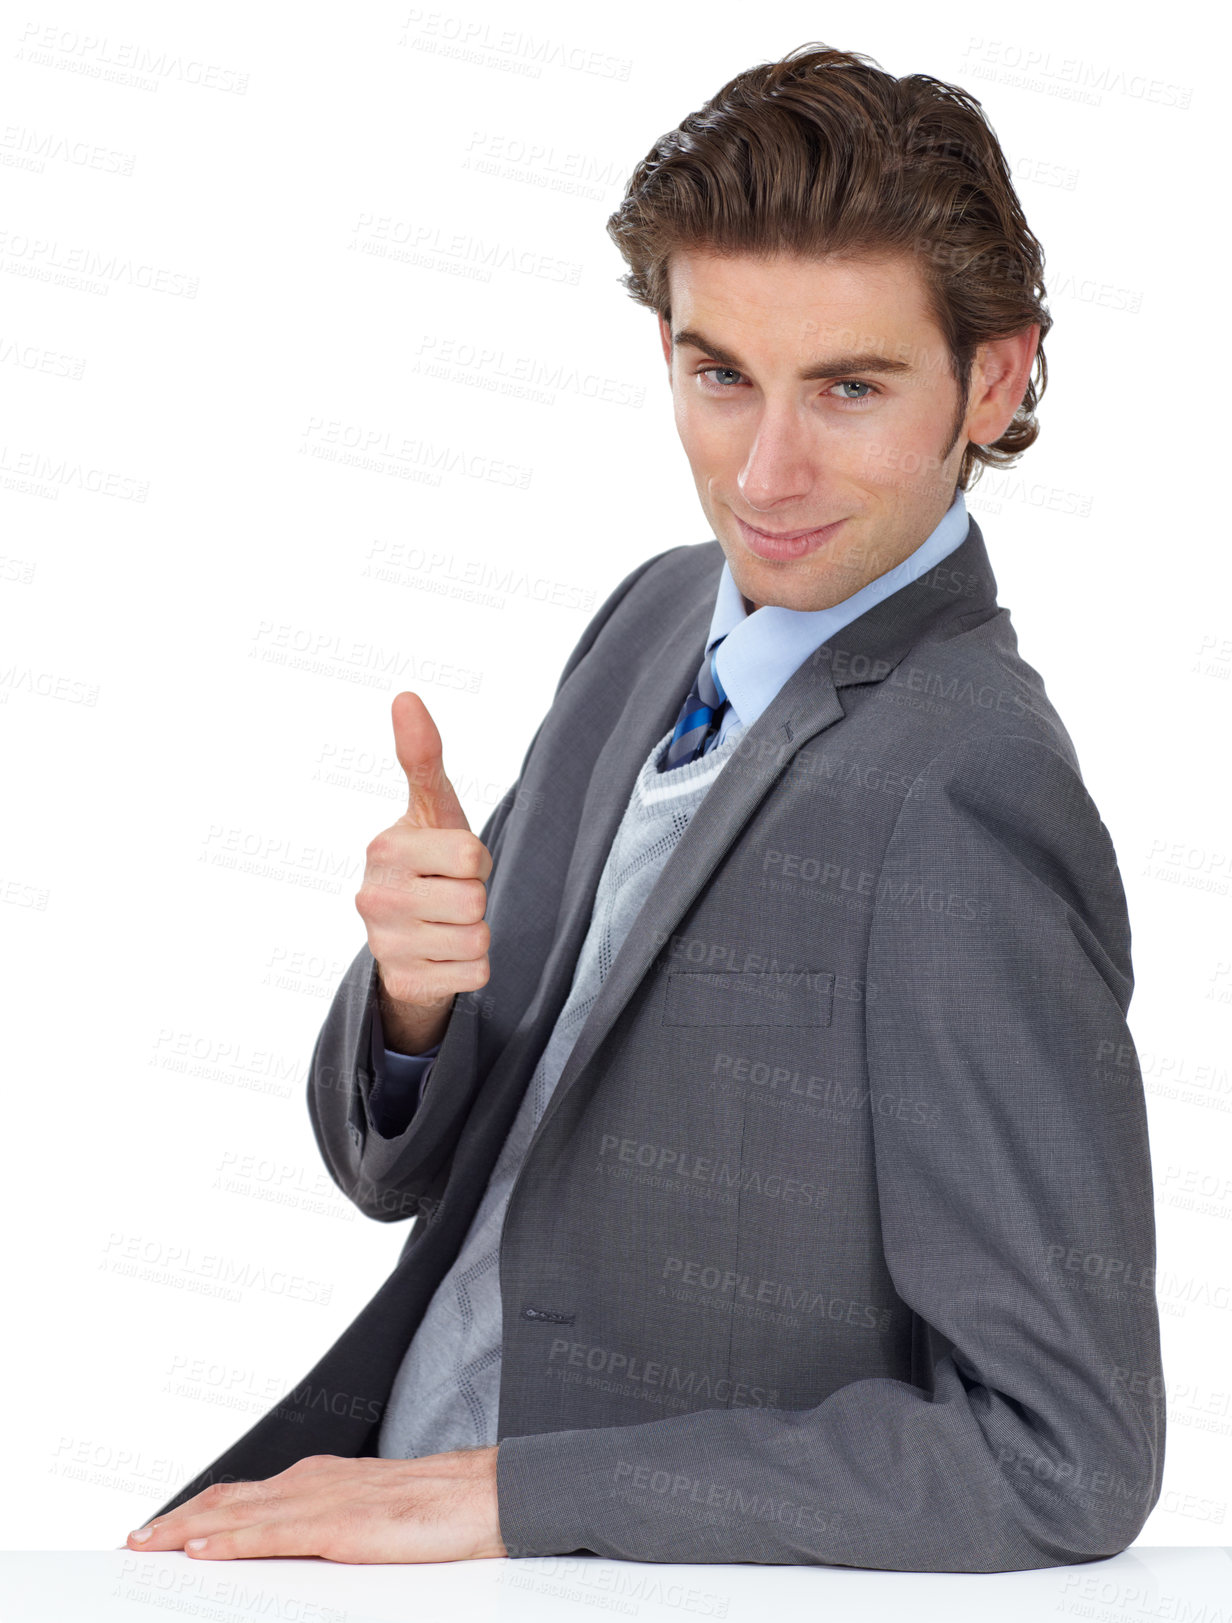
736	997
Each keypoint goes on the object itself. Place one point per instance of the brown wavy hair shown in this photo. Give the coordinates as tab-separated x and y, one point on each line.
822	152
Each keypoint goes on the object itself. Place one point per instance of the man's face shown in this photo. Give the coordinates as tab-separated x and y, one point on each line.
871	450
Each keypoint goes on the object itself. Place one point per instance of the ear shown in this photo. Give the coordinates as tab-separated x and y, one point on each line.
665	338
999	381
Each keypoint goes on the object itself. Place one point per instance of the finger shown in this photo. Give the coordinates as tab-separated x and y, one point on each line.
426	984
172	1533
417	742
397	861
451	901
219	1506
262	1538
398	940
413	974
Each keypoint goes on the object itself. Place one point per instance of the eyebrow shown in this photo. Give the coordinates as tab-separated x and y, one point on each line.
836	366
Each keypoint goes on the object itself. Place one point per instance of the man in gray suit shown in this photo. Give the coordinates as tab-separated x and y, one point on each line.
768	1118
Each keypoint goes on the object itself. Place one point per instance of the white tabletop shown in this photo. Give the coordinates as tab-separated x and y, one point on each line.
113	1586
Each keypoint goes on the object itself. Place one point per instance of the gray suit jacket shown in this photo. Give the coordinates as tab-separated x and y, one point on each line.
836	1240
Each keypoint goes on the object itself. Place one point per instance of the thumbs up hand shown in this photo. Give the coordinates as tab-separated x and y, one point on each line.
424	895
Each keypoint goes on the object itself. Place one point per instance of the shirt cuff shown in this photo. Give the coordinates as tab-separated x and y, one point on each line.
398	1082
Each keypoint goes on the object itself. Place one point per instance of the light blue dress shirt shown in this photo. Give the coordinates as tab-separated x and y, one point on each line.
758	653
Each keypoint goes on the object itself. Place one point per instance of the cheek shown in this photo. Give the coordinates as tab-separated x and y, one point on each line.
708	443
898	454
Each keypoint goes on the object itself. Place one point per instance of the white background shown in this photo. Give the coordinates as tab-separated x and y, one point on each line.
199	655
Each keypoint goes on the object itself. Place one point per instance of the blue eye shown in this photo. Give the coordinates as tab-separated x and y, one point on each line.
729	369
716	387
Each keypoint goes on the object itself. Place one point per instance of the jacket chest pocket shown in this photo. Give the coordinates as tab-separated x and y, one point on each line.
735	997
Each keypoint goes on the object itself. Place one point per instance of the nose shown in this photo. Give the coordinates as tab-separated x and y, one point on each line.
779	466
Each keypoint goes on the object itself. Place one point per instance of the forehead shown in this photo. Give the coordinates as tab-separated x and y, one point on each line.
792	297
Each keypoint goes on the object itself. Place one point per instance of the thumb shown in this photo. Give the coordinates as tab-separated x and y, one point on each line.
432	802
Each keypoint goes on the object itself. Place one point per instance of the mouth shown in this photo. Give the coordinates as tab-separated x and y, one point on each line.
786	544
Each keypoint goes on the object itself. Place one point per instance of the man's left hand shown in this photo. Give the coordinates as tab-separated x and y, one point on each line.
438	1508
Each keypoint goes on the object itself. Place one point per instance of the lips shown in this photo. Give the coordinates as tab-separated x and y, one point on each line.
790	544
788	535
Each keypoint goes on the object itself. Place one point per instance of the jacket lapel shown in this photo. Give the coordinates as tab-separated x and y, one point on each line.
960	589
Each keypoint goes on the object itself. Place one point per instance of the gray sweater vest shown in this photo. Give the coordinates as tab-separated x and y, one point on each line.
447	1391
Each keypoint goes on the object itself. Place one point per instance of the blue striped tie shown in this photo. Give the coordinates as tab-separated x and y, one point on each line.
701	715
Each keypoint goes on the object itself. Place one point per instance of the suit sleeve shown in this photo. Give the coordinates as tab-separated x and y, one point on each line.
387	1161
1021	1235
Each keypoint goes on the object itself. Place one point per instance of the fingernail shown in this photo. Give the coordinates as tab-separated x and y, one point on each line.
141	1534
194	1544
